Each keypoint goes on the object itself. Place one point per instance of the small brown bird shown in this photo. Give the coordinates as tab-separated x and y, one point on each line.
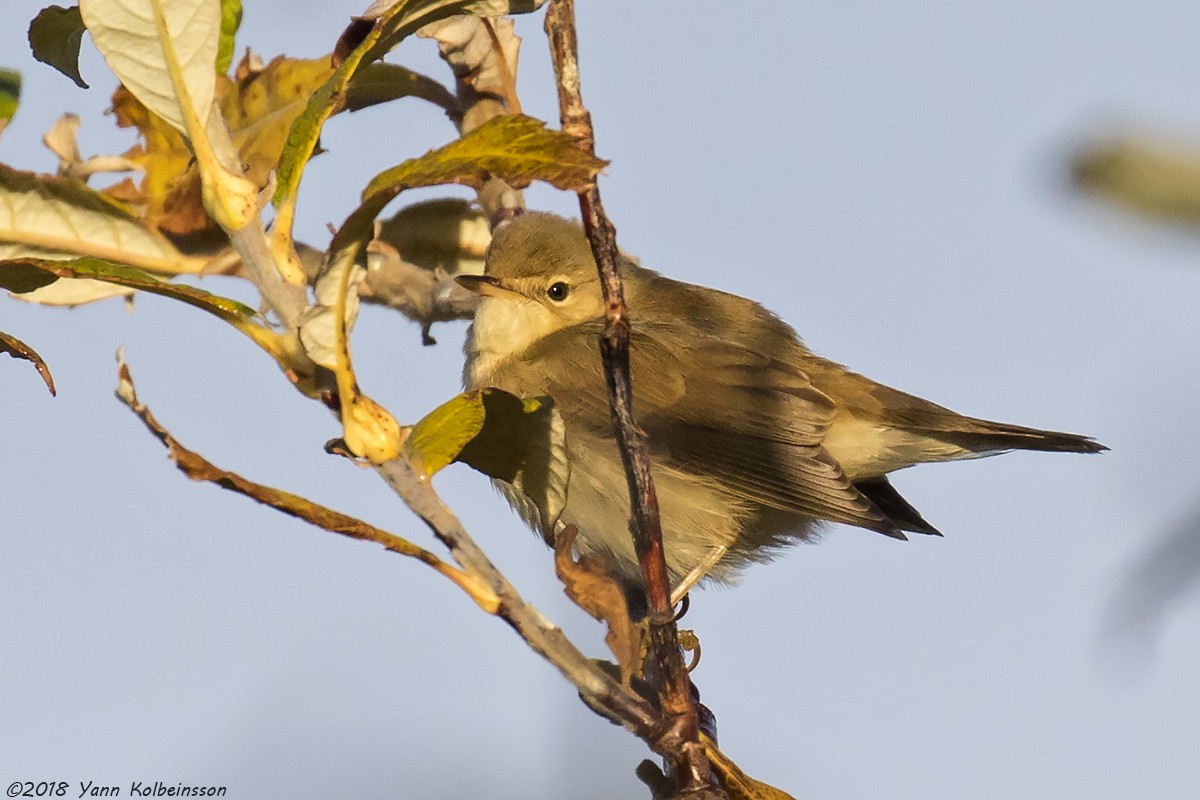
754	439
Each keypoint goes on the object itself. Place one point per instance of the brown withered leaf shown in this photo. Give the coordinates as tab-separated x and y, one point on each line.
483	55
18	349
592	587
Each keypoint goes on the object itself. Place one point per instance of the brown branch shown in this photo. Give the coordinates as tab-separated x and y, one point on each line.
596	688
196	467
479	577
683	748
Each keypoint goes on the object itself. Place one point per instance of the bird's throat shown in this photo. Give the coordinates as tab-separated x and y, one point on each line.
503	330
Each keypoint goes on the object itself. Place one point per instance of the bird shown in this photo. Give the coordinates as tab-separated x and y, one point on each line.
754	439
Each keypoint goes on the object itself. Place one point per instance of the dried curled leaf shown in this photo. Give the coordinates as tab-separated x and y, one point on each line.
483	54
18	349
591	586
62	140
319	323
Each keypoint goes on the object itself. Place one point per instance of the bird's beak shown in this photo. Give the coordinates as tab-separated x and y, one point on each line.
485	285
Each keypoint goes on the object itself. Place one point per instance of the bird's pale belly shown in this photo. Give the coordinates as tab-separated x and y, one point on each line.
697	515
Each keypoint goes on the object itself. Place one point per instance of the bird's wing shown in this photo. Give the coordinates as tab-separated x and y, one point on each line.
709	405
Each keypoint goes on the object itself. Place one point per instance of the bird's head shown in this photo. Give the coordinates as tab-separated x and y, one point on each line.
542	266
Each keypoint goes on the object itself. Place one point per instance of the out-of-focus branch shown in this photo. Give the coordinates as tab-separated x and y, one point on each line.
1153	177
682	747
482	53
415	255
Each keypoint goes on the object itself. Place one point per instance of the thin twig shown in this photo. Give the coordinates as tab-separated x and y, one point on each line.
478	577
198	468
686	753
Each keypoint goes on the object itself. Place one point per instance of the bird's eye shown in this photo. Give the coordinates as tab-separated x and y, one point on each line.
558	291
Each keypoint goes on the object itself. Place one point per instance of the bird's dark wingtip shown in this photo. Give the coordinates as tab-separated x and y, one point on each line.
899	512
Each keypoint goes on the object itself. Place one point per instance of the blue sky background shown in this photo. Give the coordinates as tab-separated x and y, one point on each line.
891	181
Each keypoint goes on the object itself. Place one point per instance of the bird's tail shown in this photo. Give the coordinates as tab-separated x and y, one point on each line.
985	437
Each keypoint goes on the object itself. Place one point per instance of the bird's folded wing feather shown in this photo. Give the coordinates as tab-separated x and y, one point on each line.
709	405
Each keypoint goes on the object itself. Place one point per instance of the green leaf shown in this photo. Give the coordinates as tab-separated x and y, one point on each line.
10	95
380	83
122	275
18	349
519	442
367	39
43	217
231	20
236	314
517	148
54	37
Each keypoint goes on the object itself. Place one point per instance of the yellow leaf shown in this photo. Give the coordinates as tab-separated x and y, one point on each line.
259	109
441	434
737	784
